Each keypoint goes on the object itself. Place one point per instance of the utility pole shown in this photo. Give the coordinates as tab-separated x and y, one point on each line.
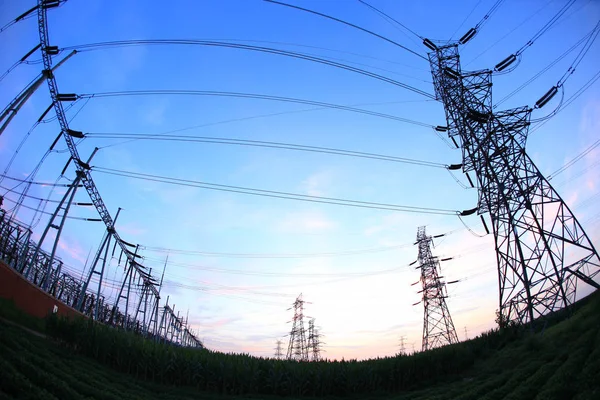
542	250
297	347
466	335
438	328
279	349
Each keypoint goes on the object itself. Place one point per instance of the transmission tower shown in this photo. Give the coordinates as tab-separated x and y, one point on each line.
541	249
438	328
402	346
279	350
314	342
297	347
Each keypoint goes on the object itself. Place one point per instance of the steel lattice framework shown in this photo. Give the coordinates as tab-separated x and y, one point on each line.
298	347
542	250
83	170
438	328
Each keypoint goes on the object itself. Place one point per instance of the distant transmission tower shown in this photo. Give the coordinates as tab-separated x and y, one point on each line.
541	249
297	347
279	349
402	346
438	328
314	342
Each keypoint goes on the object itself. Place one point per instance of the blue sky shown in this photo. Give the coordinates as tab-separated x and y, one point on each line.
239	302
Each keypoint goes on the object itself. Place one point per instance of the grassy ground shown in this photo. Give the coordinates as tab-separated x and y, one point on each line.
563	362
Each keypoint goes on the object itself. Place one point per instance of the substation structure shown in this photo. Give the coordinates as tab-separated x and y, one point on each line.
542	251
137	306
134	309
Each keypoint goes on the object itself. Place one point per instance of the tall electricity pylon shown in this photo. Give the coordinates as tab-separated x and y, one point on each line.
279	350
438	328
541	249
297	347
314	341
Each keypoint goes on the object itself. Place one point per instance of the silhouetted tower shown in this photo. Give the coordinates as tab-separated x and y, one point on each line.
314	341
542	250
438	328
402	346
297	347
279	349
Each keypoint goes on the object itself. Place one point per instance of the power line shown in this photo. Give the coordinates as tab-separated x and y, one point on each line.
267	144
466	18
575	159
259	116
250	96
274	255
501	66
269	50
391	19
41	199
545	69
49	213
473	31
509	32
274	193
49	184
582	53
571	99
349	24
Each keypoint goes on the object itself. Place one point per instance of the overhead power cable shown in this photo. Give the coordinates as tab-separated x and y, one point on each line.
274	255
571	99
49	184
504	64
349	24
75	203
575	159
466	18
475	30
274	193
26	15
488	48
233	45
545	69
393	20
246	272
268	144
170	251
580	56
251	96
49	213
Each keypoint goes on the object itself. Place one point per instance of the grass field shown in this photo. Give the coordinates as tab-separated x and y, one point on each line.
563	362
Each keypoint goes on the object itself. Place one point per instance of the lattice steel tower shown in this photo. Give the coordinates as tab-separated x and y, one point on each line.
297	347
542	251
314	341
279	349
438	328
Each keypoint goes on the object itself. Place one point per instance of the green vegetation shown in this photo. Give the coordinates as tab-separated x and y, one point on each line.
86	360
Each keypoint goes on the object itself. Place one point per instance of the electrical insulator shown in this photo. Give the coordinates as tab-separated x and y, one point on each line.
75	134
430	44
451	73
502	65
547	97
66	97
468	36
52	50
